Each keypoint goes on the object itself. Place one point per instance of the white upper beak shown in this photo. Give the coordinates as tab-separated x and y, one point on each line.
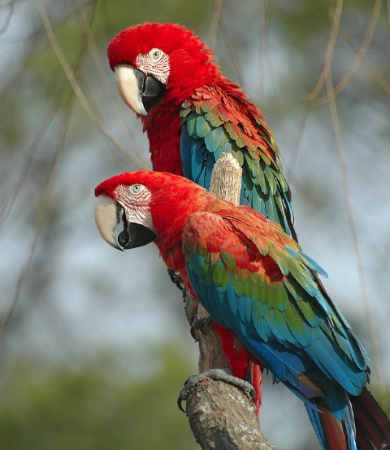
106	219
128	88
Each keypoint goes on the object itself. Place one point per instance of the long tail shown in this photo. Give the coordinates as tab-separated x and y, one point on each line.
332	433
372	424
361	425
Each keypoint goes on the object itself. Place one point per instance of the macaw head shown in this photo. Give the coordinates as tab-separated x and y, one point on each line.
136	208
152	61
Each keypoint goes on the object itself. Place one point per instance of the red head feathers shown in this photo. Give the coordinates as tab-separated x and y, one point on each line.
185	59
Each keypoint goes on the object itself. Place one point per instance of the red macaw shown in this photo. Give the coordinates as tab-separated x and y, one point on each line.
262	292
192	113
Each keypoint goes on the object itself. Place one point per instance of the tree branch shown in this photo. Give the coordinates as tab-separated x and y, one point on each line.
221	416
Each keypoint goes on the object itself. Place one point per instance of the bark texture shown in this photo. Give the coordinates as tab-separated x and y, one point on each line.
222	417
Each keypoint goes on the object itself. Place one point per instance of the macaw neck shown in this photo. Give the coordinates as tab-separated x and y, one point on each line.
170	215
162	126
172	255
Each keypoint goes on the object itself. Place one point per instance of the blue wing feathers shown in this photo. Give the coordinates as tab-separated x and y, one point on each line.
202	127
216	140
186	157
318	345
314	266
205	136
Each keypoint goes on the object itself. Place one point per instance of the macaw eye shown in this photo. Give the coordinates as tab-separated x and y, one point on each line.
135	188
155	54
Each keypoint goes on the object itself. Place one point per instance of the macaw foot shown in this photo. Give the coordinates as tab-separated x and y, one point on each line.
176	278
201	326
217	375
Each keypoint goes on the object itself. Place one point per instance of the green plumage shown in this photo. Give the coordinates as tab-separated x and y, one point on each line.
259	284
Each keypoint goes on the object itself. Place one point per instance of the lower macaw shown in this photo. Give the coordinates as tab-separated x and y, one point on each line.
262	292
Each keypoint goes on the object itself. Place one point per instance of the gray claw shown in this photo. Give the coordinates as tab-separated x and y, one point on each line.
176	278
218	375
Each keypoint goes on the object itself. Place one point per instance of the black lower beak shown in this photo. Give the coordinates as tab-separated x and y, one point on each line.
135	235
150	88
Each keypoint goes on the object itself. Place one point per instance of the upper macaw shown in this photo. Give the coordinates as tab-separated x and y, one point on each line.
192	113
262	292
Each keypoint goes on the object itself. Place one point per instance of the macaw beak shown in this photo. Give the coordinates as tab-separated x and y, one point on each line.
139	91
114	228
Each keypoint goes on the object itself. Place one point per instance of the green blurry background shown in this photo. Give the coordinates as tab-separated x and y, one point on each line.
94	347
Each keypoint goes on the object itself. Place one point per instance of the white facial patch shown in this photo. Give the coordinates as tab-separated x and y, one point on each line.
155	63
135	200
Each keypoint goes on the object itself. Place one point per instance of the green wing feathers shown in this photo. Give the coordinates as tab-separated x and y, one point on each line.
254	280
217	119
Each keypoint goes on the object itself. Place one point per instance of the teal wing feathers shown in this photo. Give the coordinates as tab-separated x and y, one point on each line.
219	119
253	279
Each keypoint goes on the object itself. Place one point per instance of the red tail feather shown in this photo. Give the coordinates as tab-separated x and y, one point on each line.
334	431
240	363
372	424
257	377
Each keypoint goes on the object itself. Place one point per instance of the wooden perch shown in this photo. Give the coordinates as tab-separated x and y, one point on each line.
221	416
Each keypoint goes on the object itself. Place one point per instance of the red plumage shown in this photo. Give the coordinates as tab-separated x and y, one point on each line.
192	61
194	74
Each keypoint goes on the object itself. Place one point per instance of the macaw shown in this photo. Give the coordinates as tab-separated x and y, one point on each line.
261	290
192	113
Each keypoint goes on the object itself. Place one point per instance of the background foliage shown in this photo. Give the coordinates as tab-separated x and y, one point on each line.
94	346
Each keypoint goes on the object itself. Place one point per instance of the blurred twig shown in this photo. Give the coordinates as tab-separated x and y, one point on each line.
297	145
214	23
46	195
26	165
263	38
329	51
76	87
106	84
352	229
359	59
360	54
380	80
42	211
7	21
